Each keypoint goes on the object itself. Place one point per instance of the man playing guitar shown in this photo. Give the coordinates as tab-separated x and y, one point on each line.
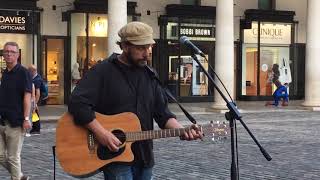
119	84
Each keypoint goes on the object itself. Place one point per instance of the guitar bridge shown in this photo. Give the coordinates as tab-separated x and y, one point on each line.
91	142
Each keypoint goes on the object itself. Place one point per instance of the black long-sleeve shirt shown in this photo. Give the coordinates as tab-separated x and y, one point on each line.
110	88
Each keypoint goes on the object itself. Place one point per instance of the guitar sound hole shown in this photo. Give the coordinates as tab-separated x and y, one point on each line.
104	153
120	135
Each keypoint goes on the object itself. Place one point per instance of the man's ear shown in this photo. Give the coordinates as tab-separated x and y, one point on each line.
125	47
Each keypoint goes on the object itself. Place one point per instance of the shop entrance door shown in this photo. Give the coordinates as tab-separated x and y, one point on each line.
53	58
258	77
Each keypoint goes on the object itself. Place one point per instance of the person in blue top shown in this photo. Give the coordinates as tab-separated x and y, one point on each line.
281	93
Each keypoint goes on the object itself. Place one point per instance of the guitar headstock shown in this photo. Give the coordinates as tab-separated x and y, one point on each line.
217	130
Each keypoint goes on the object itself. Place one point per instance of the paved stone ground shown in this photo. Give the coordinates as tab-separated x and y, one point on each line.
291	138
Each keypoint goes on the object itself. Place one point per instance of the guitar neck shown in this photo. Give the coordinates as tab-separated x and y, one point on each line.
154	134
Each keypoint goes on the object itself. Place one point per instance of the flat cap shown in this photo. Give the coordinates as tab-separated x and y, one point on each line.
136	33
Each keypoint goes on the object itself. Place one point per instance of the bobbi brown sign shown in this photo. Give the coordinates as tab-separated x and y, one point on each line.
16	22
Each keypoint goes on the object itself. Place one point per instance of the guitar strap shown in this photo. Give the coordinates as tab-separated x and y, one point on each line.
154	75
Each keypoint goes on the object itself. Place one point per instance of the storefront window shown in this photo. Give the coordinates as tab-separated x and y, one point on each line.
87	48
98	41
54	68
259	74
192	80
185	77
25	44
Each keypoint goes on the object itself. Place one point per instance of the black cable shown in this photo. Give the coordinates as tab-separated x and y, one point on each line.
237	150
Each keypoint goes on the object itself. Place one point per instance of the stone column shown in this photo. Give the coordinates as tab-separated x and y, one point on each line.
117	17
312	66
224	52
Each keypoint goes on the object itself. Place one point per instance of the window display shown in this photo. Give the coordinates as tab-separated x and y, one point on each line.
188	74
259	73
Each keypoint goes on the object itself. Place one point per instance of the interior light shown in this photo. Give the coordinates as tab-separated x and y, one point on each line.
100	25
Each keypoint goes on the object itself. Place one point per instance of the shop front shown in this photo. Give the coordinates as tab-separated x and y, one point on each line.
88	36
173	60
269	54
22	27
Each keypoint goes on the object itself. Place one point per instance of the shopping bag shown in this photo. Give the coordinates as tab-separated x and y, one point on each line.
35	117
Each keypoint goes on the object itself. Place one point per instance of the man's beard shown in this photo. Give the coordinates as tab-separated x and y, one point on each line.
138	63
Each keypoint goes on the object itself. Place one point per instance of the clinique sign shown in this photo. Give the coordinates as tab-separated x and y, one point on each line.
13	23
270	33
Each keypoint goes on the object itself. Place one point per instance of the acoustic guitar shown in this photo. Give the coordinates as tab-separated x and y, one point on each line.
80	155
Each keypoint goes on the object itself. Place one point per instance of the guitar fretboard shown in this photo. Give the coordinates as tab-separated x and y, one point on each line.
156	134
164	133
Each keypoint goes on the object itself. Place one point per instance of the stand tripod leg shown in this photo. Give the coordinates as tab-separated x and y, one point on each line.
234	165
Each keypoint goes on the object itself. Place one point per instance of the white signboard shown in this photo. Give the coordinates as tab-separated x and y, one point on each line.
269	33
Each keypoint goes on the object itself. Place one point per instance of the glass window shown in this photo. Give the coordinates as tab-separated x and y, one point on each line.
259	73
192	80
25	44
55	70
185	77
249	71
87	49
78	43
98	41
274	66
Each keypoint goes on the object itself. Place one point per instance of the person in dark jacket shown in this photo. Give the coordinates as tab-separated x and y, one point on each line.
15	105
37	81
122	83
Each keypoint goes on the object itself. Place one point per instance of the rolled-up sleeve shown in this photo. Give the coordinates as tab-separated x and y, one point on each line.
162	113
84	97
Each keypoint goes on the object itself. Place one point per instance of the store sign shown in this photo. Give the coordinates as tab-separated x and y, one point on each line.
192	31
269	33
10	22
99	27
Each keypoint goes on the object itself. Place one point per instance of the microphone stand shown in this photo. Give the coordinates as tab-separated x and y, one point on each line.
232	116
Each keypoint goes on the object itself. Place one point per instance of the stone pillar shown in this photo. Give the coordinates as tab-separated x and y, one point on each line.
224	52
312	67
117	18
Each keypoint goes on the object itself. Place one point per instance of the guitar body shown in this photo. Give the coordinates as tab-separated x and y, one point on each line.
80	155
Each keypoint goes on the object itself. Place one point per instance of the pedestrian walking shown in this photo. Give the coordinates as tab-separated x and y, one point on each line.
15	105
38	82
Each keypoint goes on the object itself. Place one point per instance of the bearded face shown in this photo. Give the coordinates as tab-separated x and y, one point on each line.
138	55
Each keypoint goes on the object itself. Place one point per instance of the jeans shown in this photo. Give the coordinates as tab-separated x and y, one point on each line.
278	98
127	172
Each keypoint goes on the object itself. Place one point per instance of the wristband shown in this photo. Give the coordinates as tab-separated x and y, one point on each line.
26	118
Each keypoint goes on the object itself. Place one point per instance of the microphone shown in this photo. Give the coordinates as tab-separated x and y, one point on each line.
184	40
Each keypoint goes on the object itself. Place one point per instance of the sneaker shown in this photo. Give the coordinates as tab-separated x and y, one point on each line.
25	177
27	135
35	133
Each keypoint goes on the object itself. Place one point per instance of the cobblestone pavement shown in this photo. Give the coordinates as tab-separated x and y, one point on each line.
291	138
